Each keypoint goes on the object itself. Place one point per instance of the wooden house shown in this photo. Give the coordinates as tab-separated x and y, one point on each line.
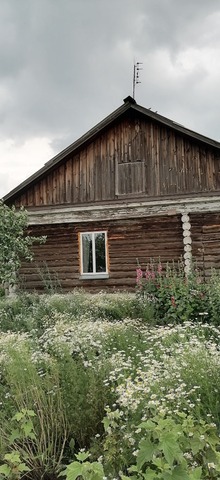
136	186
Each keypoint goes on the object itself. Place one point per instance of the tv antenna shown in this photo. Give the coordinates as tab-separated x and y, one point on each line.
136	78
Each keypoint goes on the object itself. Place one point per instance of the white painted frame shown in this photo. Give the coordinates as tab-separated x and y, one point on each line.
94	274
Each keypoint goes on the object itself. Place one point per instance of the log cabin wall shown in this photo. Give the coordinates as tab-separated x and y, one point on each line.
133	157
205	231
128	240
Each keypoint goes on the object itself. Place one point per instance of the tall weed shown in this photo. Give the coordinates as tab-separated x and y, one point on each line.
29	386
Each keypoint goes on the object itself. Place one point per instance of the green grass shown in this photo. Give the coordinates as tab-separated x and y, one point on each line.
92	368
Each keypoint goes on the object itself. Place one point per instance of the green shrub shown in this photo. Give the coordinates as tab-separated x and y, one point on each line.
81	468
15	245
175	297
176	448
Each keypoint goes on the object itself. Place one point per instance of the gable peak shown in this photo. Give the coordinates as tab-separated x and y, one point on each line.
129	99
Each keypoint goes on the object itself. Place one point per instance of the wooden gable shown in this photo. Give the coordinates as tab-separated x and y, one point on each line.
136	153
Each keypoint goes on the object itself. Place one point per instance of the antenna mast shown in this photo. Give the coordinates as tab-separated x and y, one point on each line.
136	78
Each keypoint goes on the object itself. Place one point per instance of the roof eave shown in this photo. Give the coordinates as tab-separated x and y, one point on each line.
177	126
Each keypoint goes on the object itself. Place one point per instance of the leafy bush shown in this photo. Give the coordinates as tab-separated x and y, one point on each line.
174	296
176	448
83	469
15	245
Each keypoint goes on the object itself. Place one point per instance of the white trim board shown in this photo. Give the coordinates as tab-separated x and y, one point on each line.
114	211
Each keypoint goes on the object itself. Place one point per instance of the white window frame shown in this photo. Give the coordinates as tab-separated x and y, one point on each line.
94	274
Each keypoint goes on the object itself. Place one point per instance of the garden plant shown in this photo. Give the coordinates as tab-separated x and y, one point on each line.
14	242
112	386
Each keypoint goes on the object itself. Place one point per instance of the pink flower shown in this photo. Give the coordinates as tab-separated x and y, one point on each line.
150	275
159	268
139	275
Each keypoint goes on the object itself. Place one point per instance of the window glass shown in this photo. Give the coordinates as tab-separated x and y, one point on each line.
93	250
87	253
100	252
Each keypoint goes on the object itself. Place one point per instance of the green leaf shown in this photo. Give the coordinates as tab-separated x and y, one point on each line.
195	444
18	416
23	468
170	448
148	425
28	427
217	461
13	457
14	435
178	473
196	474
31	413
161	463
5	470
106	422
73	471
92	471
145	453
82	456
72	444
150	474
133	468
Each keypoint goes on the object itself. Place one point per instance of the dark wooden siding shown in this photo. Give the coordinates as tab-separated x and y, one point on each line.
162	161
205	230
58	259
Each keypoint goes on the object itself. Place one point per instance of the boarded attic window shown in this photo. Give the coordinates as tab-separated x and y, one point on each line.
130	178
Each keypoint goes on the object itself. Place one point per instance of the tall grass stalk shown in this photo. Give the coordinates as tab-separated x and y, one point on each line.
37	389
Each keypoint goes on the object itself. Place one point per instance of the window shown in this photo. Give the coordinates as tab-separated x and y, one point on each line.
130	178
93	255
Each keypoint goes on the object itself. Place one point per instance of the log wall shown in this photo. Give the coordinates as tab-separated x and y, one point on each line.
206	241
128	240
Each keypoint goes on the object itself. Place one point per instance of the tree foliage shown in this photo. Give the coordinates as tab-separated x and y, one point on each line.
14	244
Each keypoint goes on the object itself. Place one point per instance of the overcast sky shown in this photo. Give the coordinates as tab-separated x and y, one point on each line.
66	64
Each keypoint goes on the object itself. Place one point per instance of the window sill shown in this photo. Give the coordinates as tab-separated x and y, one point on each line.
93	276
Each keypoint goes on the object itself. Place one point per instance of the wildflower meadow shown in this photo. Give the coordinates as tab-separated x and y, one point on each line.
113	386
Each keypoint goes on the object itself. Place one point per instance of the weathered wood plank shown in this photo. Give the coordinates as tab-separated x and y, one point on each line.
174	165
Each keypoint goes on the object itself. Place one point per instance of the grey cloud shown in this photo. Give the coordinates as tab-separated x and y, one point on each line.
65	65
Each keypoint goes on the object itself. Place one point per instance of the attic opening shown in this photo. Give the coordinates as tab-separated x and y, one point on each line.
130	165
129	178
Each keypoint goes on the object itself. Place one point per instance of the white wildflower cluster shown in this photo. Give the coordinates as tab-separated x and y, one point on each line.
40	357
12	340
163	379
80	337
